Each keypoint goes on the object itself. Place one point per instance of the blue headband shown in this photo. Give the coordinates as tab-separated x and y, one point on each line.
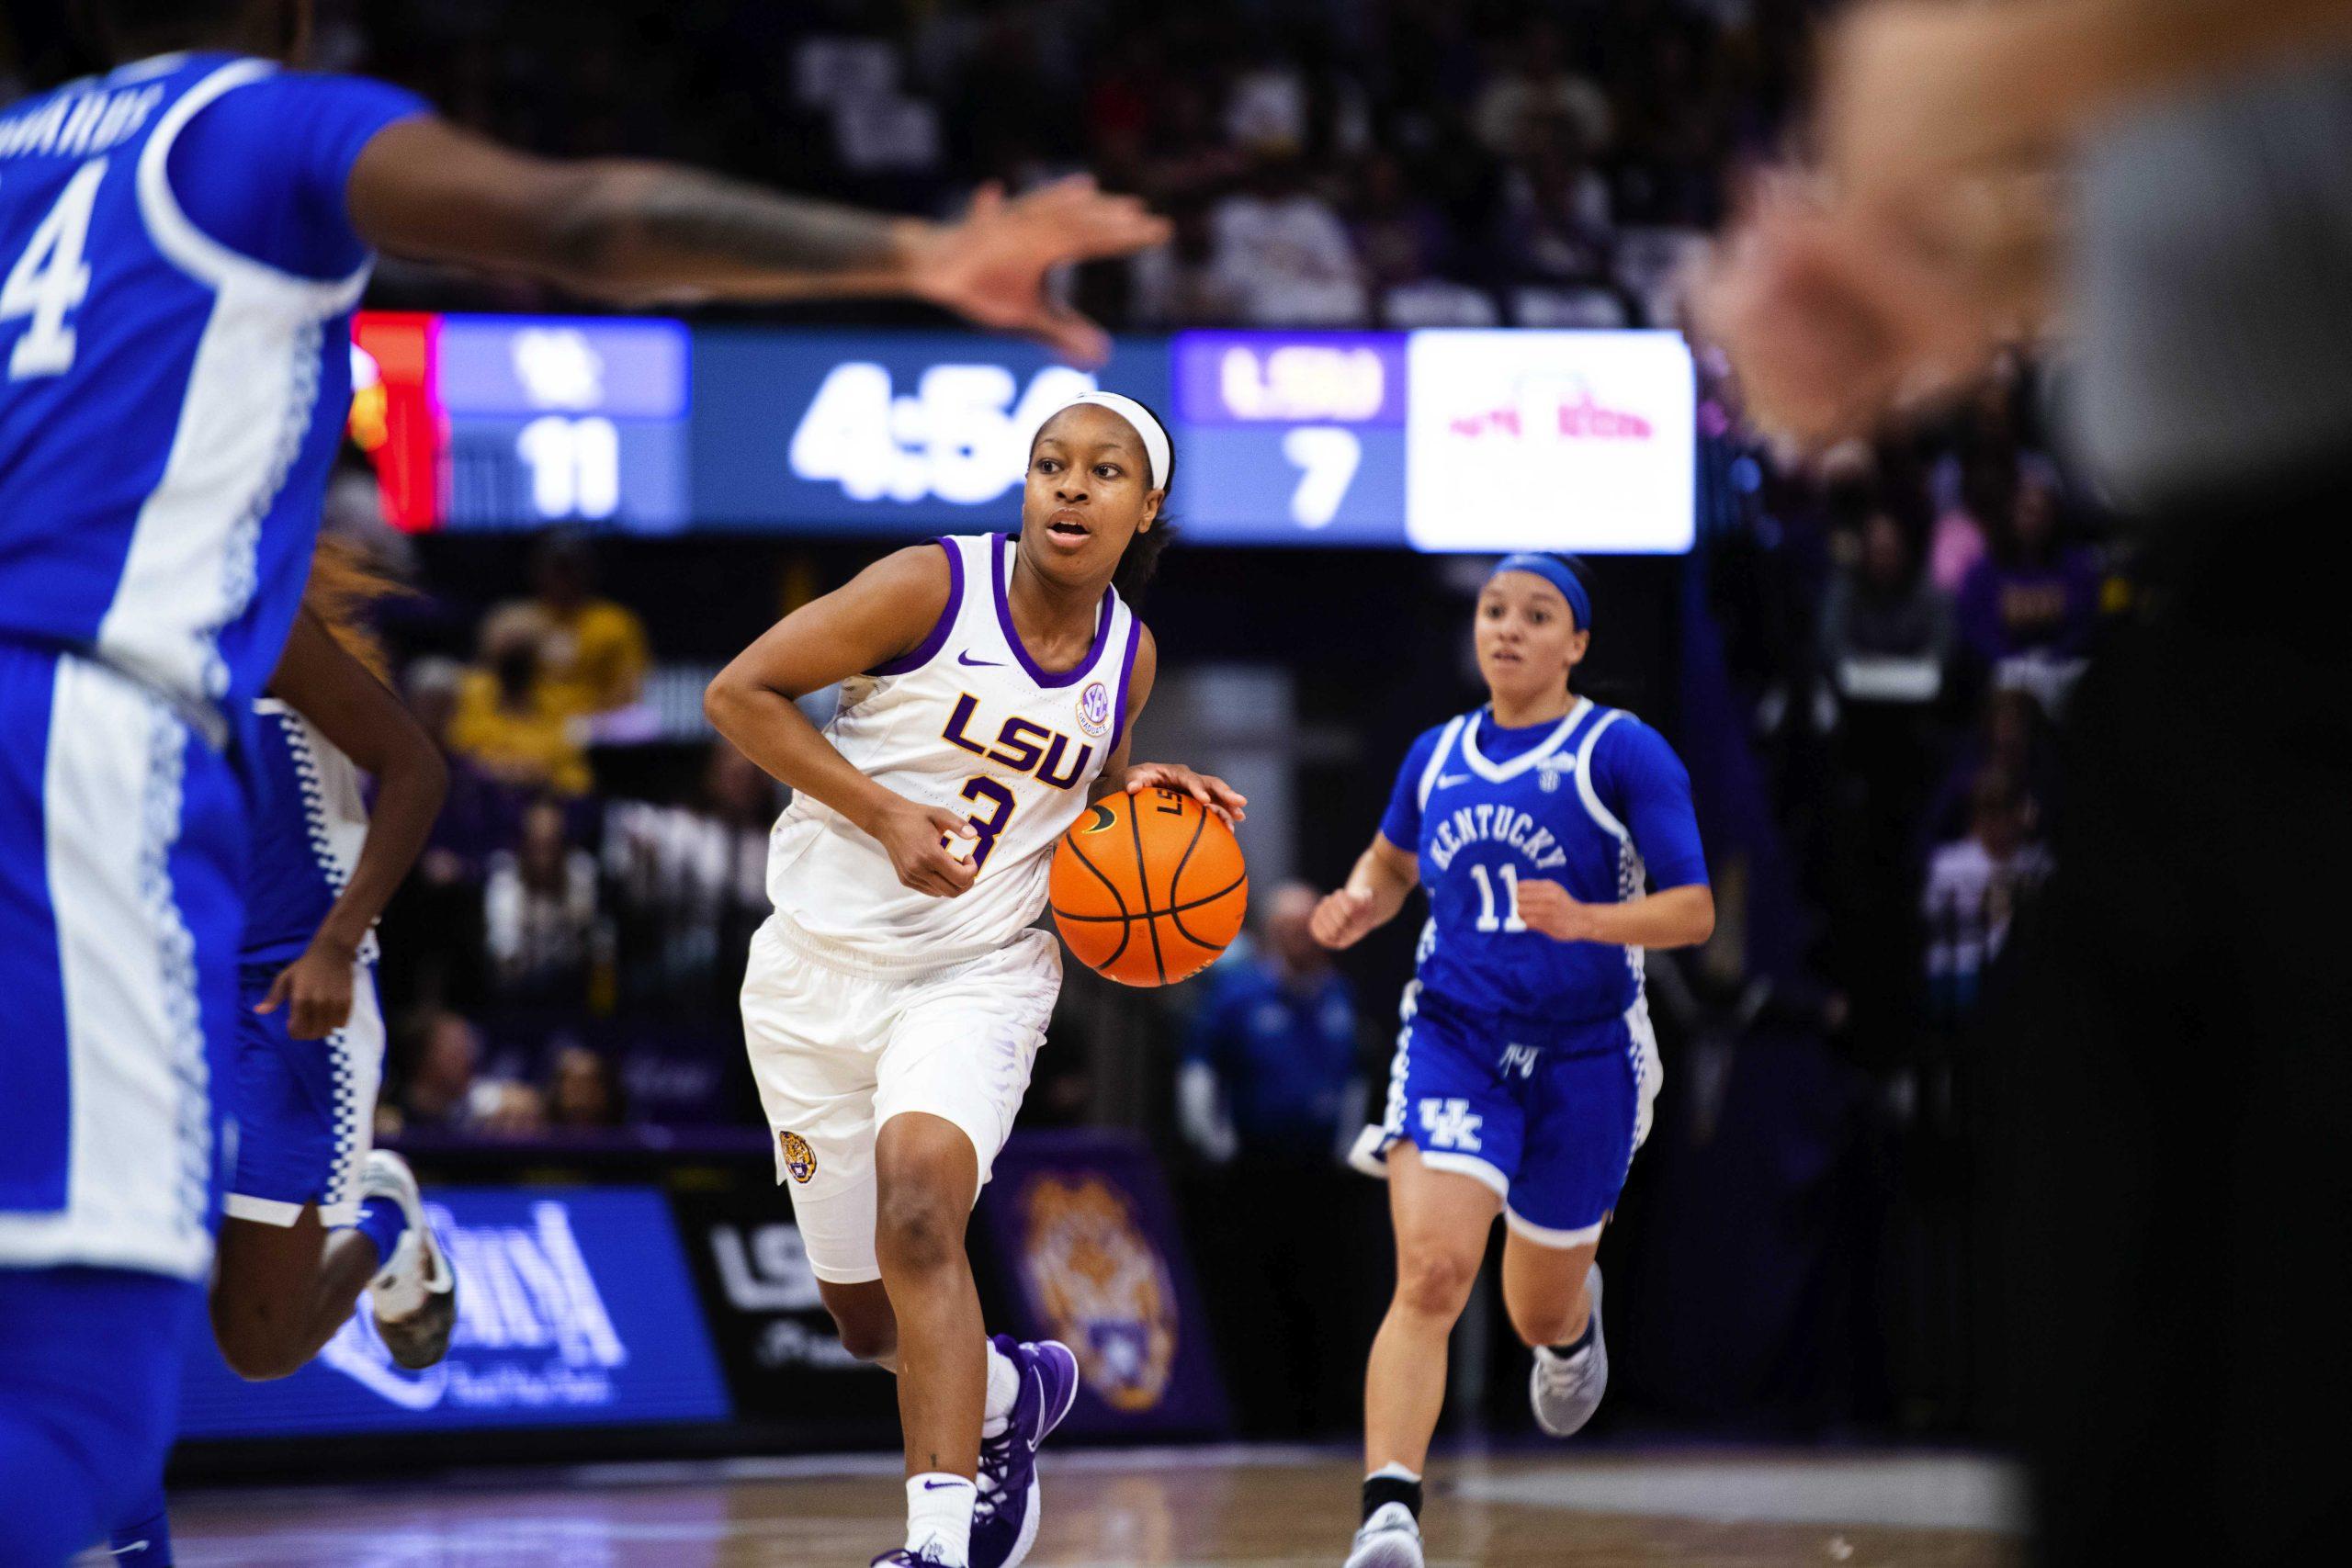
1554	570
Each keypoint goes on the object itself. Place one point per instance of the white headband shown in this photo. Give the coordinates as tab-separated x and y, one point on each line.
1155	440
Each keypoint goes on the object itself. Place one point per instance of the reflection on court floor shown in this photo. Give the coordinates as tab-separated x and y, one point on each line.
1176	1508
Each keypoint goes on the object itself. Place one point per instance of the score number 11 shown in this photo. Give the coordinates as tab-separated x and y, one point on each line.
1327	457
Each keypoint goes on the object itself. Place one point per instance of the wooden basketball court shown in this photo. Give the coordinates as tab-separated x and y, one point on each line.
1179	1508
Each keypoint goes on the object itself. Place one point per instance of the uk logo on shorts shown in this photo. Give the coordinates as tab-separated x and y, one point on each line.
799	1159
1094	710
1451	1124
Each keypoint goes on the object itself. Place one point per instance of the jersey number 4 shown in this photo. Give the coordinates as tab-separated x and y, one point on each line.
50	281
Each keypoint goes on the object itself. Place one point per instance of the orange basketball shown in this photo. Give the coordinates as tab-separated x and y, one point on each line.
1149	889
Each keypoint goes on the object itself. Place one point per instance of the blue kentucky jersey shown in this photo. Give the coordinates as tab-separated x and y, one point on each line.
309	826
1591	801
177	270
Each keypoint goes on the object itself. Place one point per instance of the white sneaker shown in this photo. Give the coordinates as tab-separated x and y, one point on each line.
414	1295
1390	1538
1566	1390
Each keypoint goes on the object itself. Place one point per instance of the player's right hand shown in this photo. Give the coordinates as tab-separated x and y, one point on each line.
1343	917
913	837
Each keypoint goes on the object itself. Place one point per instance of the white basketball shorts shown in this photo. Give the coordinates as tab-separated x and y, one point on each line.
839	1044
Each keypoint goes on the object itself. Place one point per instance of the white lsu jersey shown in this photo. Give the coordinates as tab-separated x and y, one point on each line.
968	722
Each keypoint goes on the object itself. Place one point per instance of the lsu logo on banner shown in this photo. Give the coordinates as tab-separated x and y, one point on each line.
1102	1285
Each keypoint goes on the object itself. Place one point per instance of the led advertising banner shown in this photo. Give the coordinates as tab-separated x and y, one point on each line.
1464	441
575	1308
1549	441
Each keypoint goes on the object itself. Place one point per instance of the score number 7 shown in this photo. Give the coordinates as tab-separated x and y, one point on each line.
1000	803
1327	459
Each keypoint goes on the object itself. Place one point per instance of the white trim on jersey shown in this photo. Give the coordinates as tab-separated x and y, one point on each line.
253	389
1437	764
1602	815
1503	772
196	253
137	1173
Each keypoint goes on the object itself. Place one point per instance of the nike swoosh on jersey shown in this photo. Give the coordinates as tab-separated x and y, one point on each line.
979	663
1447	780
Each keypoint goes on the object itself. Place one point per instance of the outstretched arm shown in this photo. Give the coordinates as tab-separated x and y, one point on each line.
1375	891
637	231
319	679
882	613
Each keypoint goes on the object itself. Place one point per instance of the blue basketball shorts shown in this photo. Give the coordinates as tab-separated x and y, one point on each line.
1549	1120
90	1365
122	896
305	1108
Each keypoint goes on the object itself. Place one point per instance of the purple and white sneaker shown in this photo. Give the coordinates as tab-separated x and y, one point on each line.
902	1558
1004	1518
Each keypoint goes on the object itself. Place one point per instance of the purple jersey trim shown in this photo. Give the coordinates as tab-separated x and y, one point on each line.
1126	669
928	649
1012	637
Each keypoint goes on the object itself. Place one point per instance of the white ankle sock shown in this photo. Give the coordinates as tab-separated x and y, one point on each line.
1004	1389
939	1517
1393	1472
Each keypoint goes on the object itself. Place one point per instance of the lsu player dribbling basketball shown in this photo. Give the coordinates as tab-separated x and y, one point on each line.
896	998
1524	1071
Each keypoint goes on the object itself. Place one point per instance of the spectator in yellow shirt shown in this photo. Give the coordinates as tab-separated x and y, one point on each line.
510	719
595	655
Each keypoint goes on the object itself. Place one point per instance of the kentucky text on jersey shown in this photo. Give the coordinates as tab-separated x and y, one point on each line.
1489	823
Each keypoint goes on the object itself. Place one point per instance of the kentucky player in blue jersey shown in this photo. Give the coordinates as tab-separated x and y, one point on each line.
314	1215
181	243
1523	1074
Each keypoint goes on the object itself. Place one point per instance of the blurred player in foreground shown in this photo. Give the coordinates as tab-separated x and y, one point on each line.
2170	183
182	242
314	1216
896	998
1524	1072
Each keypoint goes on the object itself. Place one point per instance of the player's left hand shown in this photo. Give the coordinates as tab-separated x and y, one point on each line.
316	989
1209	790
991	266
1548	907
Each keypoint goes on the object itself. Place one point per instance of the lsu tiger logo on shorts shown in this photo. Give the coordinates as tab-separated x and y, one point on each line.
1100	1285
799	1159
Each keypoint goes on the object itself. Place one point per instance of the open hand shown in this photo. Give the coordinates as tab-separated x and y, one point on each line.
991	265
1210	791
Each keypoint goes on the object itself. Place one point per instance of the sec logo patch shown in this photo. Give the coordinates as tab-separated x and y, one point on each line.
799	1159
1094	710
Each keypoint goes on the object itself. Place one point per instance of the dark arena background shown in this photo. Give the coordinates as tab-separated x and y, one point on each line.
1428	301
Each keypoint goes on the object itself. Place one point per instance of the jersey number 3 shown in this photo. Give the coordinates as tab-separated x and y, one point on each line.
1000	803
50	281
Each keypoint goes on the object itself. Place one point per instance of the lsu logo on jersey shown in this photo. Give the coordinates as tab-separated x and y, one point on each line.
1102	1286
799	1159
1023	744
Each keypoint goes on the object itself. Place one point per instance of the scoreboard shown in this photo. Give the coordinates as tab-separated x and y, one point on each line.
1461	441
